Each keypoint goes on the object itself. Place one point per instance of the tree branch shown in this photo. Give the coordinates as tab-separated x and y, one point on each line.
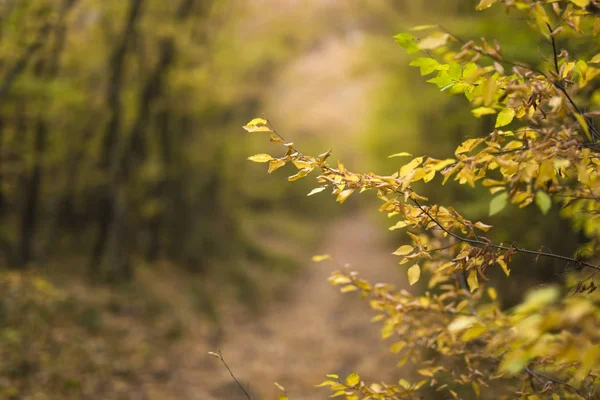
478	242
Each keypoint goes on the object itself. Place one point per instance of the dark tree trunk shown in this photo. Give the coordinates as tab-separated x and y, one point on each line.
107	199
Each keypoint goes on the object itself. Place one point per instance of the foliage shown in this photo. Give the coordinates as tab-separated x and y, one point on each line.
542	152
62	343
112	136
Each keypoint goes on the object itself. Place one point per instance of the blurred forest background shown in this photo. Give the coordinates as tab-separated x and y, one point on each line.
135	236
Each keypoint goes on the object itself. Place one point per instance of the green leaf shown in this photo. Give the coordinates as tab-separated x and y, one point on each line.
407	41
543	201
498	203
442	79
505	117
455	71
427	65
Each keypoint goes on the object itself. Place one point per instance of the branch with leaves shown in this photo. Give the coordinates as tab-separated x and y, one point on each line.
542	151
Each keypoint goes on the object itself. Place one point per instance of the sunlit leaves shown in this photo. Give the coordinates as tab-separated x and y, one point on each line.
472	280
352	379
344	194
481	111
414	273
505	117
407	41
260	158
403	250
315	191
434	41
321	257
483	4
427	65
549	156
408	168
257	125
275	165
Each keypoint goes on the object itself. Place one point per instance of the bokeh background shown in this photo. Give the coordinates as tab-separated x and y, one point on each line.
135	236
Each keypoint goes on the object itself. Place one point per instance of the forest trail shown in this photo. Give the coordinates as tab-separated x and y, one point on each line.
314	331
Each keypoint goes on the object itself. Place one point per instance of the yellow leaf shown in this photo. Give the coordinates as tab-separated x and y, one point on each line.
475	388
472	280
584	125
546	173
482	226
404	384
300	164
257	121
260	158
398	225
344	195
348	289
414	273
353	379
403	154
480	111
434	41
301	174
320	257
255	128
505	117
581	3
408	168
275	165
504	267
461	323
483	4
468	145
316	190
403	250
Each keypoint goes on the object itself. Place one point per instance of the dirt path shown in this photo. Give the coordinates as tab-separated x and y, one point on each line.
316	330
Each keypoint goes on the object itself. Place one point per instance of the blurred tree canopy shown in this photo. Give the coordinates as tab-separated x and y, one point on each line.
115	143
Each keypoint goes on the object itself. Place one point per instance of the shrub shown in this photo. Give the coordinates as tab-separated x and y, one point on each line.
544	151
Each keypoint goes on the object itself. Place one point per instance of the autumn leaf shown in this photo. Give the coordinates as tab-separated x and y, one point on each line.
414	273
353	379
505	117
403	250
472	280
260	158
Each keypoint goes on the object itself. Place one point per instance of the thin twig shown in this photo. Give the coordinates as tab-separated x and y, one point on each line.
539	376
560	87
233	376
478	242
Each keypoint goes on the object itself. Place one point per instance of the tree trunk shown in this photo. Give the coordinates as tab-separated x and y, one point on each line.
107	200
